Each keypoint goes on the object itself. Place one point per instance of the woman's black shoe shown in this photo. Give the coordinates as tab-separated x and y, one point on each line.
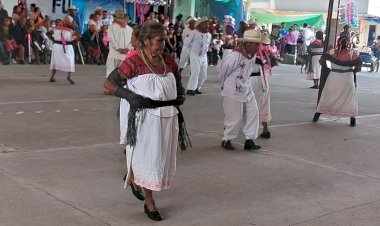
265	135
154	215
197	91
316	117
70	81
352	122
138	194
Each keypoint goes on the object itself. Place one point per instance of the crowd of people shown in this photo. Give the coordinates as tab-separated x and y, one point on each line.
144	65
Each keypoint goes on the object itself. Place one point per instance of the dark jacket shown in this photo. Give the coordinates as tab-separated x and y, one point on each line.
3	14
20	33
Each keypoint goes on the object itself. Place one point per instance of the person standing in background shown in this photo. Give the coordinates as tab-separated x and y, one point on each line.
105	19
198	43
119	35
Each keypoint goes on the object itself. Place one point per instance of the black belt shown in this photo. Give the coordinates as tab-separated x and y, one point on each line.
67	43
255	74
342	70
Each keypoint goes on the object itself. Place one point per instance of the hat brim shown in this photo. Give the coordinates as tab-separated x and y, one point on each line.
256	40
265	40
120	19
199	22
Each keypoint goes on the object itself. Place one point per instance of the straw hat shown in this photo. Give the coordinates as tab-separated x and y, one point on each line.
190	19
72	7
251	36
98	8
68	19
203	19
265	39
120	16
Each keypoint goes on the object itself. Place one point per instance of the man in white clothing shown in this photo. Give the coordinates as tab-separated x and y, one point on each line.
198	43
185	53
239	102
119	34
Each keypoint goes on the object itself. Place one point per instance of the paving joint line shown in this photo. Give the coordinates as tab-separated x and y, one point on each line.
23	181
337	211
275	153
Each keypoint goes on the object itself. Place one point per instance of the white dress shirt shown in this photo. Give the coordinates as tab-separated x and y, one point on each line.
198	43
235	75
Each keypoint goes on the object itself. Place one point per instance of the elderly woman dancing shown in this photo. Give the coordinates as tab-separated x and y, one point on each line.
339	95
154	92
63	56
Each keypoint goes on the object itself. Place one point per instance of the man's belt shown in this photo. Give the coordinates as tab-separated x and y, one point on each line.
67	43
255	74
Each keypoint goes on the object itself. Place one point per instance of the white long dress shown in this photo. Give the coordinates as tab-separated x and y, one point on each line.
339	97
316	66
63	56
262	94
152	161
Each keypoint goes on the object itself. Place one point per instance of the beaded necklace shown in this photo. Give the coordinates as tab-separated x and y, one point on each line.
148	65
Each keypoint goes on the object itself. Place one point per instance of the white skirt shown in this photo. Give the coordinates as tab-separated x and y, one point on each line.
316	74
262	98
339	97
152	161
62	61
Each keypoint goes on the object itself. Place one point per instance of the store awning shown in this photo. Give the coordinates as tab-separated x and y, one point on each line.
375	20
314	20
149	2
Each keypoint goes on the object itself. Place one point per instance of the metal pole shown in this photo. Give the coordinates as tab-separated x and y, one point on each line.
324	73
134	13
336	26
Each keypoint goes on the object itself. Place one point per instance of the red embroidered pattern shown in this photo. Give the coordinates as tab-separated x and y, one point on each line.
133	66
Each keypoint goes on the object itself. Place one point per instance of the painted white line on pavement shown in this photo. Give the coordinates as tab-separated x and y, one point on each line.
38	112
53	101
88	146
57	111
19	112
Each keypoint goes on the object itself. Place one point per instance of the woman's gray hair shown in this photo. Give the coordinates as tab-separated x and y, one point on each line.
149	30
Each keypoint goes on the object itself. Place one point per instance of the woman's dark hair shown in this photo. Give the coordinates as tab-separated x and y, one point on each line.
319	35
150	30
343	43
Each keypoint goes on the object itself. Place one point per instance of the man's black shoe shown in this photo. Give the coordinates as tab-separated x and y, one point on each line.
190	92
227	145
197	91
250	145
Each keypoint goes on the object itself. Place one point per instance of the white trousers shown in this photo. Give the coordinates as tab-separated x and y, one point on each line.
198	66
239	115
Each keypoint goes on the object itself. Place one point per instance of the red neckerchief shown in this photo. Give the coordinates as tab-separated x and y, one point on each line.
123	25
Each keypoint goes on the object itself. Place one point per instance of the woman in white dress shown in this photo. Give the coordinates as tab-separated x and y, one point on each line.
260	86
315	50
339	96
63	56
153	91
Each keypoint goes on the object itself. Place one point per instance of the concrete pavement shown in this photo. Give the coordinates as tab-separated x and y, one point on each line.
61	164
